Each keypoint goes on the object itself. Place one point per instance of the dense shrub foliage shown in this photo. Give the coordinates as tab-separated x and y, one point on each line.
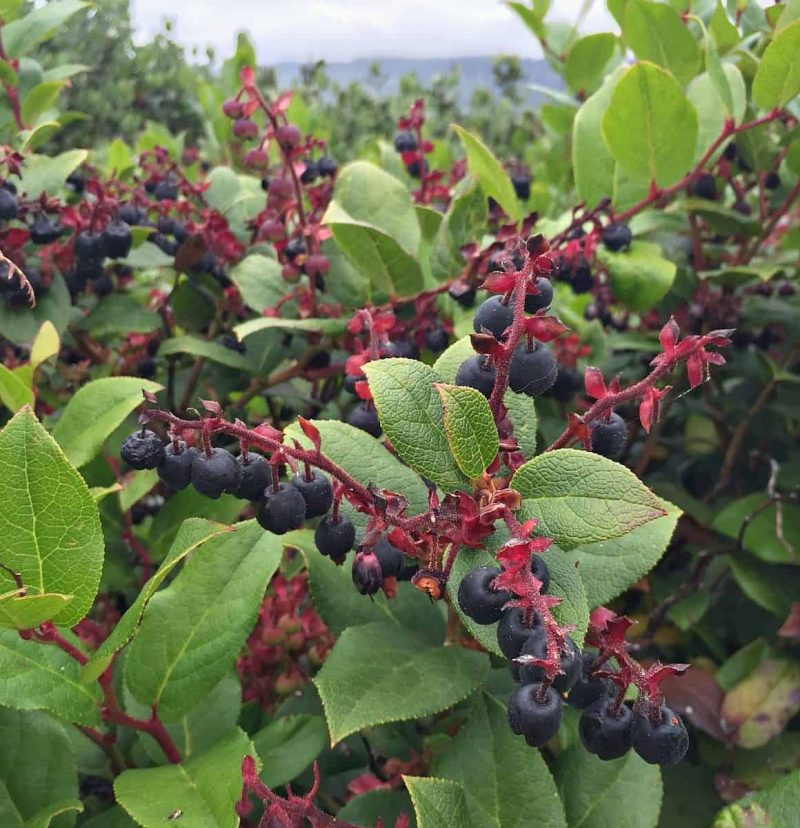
363	470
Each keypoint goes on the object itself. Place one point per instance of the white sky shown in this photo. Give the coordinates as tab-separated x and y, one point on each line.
340	30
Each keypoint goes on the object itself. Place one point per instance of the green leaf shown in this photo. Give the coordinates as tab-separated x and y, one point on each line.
340	606
45	174
288	745
650	127
438	802
587	61
411	415
191	632
46	345
725	34
55	548
374	223
704	94
135	486
119	313
772	587
381	803
192	534
147	256
777	80
759	708
213	351
14	393
41	677
720	218
608	568
592	161
24	612
119	157
780	800
507	785
656	33
325	326
581	498
493	179
259	280
38	770
463	222
20	36
761	535
105	403
204	789
470	428
364	457
40	99
625	793
414	678
641	276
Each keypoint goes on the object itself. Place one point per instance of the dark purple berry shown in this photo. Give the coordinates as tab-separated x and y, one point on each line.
437	339
475	372
391	558
705	186
604	732
536	646
538	721
281	509
8	205
532	371
256	476
663	741
367	572
405	141
608	438
142	450
522	186
366	418
176	468
316	491
335	537
403	348
588	689
327	166
44	230
513	632
580	277
542	299
772	181
617	237
567	384
215	473
117	239
463	293
493	316
89	245
478	599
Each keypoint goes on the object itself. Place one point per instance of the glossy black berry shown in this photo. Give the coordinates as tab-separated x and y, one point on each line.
580	277
617	237
542	299
663	741
281	509
366	419
310	173
367	573
538	721
89	245
536	646
417	168
493	316
76	182
9	185
730	152
532	371
117	239
335	537
522	186
475	372
215	473
772	181
349	383
513	632
476	597
316	491
391	558
8	205
588	689
403	348
44	230
705	186
608	438
295	248
327	166
176	467
436	339
142	450
604	732
743	208
230	342
405	141
131	214
567	384
463	293
256	476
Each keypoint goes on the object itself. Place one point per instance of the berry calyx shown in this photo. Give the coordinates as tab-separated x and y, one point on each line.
335	537
493	316
256	475
606	732
215	473
538	721
617	236
316	490
282	509
542	299
367	572
478	599
532	371
176	468
662	740
142	450
476	372
608	438
365	417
